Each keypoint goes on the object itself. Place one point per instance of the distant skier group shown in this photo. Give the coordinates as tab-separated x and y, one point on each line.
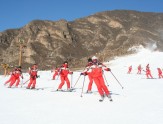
147	71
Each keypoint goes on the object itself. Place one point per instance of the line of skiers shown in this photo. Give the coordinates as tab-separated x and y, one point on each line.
147	71
93	69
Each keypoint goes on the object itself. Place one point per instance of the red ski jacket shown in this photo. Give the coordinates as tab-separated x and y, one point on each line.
33	73
17	73
96	70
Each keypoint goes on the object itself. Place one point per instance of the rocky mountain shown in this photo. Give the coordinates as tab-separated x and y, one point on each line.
105	34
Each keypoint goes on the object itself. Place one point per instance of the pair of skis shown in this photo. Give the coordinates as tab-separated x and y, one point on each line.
70	90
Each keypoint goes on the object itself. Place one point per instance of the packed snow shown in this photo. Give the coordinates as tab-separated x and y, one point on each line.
140	102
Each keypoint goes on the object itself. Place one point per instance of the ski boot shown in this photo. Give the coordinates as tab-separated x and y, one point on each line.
102	98
109	97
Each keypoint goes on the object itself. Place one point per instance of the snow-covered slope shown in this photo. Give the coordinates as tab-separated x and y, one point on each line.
140	102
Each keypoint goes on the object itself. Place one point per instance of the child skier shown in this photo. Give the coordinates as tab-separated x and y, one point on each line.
33	75
139	69
89	75
159	73
64	71
16	77
129	69
11	77
148	72
56	72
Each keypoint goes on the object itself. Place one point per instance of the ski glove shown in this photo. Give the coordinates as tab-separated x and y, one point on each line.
84	73
108	69
81	74
71	72
38	76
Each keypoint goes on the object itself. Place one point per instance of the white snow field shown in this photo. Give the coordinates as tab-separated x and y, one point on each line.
140	102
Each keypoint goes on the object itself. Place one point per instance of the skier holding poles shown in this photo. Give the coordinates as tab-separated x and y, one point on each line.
148	72
11	77
129	69
33	75
96	70
15	77
21	75
64	71
139	69
56	71
159	73
89	75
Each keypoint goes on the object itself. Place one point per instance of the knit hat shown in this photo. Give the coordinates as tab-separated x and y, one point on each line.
65	62
89	60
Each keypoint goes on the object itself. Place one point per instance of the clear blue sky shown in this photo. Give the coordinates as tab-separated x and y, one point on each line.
17	13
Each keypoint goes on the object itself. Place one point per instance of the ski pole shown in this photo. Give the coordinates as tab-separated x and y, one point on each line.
76	81
82	88
105	79
26	81
116	79
71	80
58	76
59	73
21	82
79	78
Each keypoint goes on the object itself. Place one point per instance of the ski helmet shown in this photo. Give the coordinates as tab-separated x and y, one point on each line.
94	57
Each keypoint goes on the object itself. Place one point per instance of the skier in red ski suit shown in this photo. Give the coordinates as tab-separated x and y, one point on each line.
64	71
11	77
139	69
129	69
56	72
160	73
16	77
148	72
33	75
89	75
96	71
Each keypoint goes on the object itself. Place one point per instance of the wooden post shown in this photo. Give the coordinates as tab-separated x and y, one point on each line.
5	71
21	46
5	67
20	54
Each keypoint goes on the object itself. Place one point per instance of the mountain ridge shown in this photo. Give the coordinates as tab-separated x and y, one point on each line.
104	34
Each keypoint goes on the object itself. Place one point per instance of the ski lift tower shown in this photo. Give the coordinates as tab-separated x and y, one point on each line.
21	46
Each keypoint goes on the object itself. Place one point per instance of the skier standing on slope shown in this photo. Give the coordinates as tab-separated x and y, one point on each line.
139	69
148	72
33	75
90	63
159	73
21	75
64	71
16	77
96	71
11	76
129	69
56	71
